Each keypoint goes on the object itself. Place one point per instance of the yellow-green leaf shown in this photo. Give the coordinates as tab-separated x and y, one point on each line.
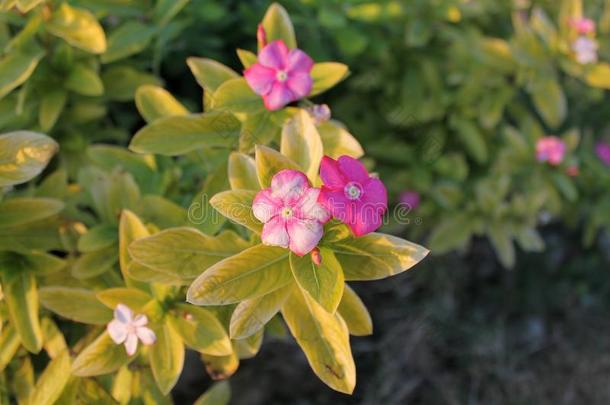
277	25
128	39
103	356
167	358
252	273
354	313
52	104
237	206
78	27
61	300
23	155
269	162
17	66
209	73
326	75
235	95
301	142
155	102
21	297
201	331
242	173
84	80
52	381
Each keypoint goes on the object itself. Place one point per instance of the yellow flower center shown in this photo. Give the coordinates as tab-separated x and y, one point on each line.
286	212
281	75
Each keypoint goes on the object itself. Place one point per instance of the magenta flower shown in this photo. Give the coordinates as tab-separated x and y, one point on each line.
126	329
550	149
351	195
410	199
291	213
602	150
281	75
583	25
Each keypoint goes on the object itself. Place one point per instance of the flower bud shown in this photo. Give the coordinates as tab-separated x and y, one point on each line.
316	258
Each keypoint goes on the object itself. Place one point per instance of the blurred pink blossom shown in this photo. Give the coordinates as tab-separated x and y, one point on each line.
550	149
585	49
410	199
583	25
602	150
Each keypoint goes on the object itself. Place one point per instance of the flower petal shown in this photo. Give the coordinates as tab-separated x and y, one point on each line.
260	78
300	84
331	174
131	344
265	206
289	186
304	235
117	331
274	55
274	233
140	320
299	61
368	219
337	204
123	313
146	335
353	169
278	96
309	208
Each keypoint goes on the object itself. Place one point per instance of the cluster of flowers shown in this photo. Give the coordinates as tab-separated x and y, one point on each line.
585	46
294	213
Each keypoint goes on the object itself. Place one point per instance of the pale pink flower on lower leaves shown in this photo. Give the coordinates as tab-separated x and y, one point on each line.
550	149
351	195
583	25
585	50
280	75
602	150
290	211
125	329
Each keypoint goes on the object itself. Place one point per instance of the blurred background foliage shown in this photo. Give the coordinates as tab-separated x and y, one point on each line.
448	97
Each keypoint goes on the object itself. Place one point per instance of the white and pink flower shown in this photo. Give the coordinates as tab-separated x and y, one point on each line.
585	50
125	329
291	213
550	149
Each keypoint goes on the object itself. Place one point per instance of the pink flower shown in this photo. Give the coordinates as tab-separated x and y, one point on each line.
602	150
291	213
125	329
585	50
351	195
410	199
550	149
583	25
281	75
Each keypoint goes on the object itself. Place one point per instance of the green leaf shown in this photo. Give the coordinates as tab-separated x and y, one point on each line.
103	356
597	76
19	211
201	331
183	252
130	38
21	298
25	6
252	273
251	316
376	256
550	100
167	358
235	95
97	238
237	206
52	104
209	73
85	81
502	243
269	162
301	143
178	135
17	66
258	129
121	82
277	25
242	173
326	75
78	27
166	10
451	233
92	264
566	186
472	138
337	141
23	155
155	102
324	339
135	299
37	263
218	394
61	300
354	313
9	344
220	367
52	381
324	282
246	58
